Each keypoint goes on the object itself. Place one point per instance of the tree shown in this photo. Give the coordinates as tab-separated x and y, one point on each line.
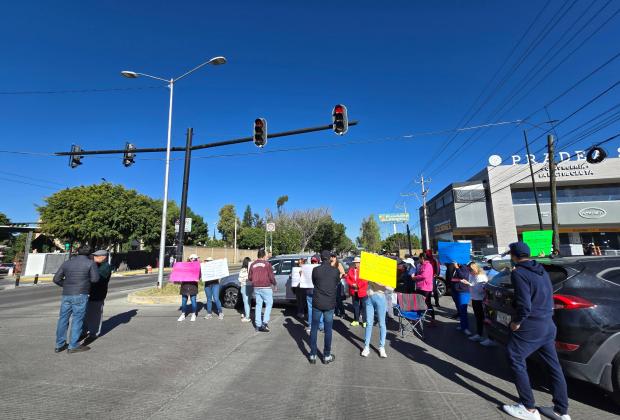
257	221
251	238
286	239
280	202
226	224
370	235
307	223
248	219
331	235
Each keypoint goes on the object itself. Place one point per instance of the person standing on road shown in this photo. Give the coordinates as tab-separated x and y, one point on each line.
306	284
533	331
461	288
189	289
435	264
98	293
358	289
339	312
424	283
376	304
246	289
450	270
212	293
75	277
325	279
264	283
300	294
477	280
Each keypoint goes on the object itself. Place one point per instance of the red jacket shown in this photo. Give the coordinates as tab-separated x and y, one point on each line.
353	278
261	274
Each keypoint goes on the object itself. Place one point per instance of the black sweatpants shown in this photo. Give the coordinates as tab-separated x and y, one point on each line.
479	313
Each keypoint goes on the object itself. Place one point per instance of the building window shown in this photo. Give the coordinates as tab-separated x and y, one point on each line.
469	194
569	194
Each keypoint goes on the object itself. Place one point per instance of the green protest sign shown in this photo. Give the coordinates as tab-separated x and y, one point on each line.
539	241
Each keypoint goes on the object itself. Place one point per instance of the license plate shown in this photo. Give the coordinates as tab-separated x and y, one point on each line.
503	318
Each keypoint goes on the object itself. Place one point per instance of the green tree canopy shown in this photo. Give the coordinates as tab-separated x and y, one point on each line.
370	235
281	202
251	238
331	235
248	219
226	224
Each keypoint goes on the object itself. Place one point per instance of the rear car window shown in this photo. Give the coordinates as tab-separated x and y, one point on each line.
612	275
287	267
556	274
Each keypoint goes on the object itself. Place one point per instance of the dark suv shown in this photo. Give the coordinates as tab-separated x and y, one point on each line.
586	313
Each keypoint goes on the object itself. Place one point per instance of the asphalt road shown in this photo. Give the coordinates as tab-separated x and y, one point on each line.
147	365
49	292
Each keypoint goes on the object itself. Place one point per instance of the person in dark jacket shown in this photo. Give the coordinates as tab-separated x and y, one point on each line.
98	293
75	277
533	331
325	279
450	270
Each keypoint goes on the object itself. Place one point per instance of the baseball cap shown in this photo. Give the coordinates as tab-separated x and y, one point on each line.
519	249
100	253
325	255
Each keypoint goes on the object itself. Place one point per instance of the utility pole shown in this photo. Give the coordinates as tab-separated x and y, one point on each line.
235	239
188	161
553	194
423	181
527	148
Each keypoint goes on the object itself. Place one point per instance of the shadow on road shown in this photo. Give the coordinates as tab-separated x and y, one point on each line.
116	320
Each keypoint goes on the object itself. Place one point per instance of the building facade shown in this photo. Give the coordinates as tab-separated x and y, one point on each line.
495	206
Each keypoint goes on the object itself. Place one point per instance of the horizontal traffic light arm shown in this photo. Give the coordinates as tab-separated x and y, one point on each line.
201	146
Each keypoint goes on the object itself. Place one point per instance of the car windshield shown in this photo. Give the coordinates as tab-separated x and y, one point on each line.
556	273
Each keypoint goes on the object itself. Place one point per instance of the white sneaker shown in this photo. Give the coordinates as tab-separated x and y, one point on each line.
221	315
550	413
193	318
487	342
520	412
366	352
208	316
244	319
466	332
382	353
475	337
181	318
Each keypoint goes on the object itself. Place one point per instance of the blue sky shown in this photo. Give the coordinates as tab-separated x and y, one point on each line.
401	67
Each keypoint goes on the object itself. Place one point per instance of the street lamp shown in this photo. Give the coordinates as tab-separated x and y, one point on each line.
133	75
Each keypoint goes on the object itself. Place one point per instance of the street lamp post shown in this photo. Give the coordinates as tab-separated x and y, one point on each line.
132	75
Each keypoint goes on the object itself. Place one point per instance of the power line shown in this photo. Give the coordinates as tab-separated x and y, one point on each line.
32	178
27	183
67	91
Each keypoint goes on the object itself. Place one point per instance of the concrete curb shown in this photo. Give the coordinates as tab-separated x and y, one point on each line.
159	300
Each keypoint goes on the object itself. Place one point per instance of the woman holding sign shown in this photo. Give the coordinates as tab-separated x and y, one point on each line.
461	287
189	289
212	292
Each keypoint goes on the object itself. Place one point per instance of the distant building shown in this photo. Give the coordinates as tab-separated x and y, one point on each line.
496	205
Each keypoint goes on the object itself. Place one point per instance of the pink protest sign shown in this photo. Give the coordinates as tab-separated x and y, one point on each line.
185	271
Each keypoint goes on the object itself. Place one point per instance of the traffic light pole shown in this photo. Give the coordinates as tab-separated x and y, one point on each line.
202	146
183	213
527	148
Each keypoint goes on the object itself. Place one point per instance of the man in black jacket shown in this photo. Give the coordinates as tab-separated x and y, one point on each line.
75	277
325	279
533	331
98	293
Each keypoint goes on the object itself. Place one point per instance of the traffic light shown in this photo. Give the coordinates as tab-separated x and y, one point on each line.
340	120
596	155
75	160
128	156
260	132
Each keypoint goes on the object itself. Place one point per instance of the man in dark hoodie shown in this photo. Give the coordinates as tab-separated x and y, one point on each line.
325	279
533	331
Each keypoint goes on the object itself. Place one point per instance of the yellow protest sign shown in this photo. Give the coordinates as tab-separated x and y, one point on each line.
378	269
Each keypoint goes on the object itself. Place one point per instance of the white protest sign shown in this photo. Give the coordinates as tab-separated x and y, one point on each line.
214	270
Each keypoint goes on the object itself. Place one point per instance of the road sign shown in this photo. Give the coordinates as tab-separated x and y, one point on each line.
188	225
394	218
271	227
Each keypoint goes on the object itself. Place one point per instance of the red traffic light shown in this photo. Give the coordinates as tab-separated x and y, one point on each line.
339	109
340	120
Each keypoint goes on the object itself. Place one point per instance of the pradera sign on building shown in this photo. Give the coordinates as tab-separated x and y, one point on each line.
578	155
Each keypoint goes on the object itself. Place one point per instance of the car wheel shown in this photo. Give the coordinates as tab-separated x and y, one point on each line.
230	297
441	287
616	379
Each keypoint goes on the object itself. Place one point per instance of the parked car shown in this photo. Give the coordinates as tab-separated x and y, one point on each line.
282	269
6	267
586	313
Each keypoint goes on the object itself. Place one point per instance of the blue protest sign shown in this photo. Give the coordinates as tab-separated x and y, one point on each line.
454	252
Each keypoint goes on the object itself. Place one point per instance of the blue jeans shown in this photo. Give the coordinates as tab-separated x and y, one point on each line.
263	294
318	317
376	303
212	291
246	293
309	302
463	301
71	307
184	304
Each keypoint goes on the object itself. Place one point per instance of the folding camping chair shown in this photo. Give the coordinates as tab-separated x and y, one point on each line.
412	312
